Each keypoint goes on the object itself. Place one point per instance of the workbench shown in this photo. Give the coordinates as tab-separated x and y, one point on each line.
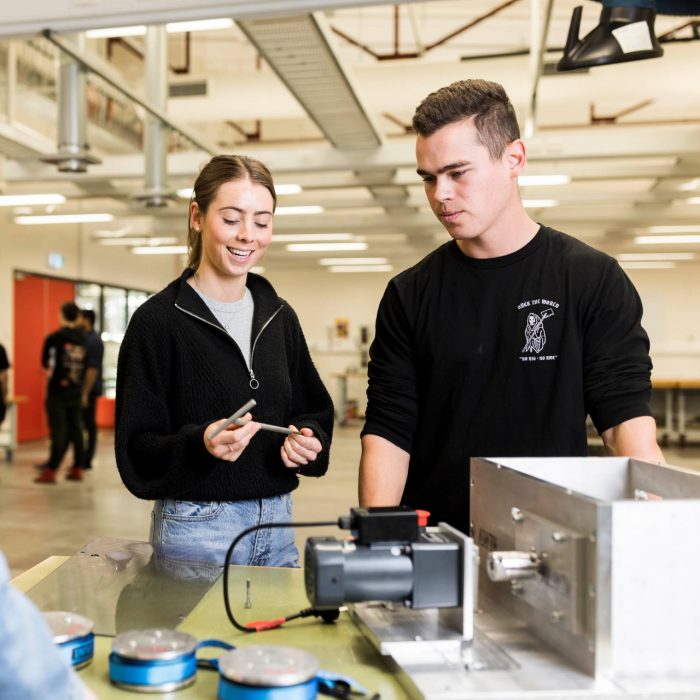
505	661
340	647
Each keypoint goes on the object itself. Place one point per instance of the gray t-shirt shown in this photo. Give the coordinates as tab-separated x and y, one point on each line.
236	317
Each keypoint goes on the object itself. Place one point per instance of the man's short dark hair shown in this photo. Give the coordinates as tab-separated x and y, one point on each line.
485	101
88	315
69	311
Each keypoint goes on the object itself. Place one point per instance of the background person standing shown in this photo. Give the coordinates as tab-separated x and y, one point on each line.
63	356
4	382
92	384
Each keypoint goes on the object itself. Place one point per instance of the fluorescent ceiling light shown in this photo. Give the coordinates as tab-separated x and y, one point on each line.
674	229
321	247
171	27
160	250
538	180
20	200
290	188
310	237
65	219
352	261
539	203
665	240
112	232
656	256
201	25
109	32
690	186
310	209
138	240
647	265
360	268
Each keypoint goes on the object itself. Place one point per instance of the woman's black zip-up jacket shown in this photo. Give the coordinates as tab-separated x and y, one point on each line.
179	371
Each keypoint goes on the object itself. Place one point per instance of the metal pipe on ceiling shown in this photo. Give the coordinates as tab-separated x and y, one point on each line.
78	55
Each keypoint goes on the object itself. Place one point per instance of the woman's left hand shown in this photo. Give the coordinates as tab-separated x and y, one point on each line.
300	448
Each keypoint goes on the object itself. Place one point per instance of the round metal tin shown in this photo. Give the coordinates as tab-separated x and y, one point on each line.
269	667
153	644
72	634
153	660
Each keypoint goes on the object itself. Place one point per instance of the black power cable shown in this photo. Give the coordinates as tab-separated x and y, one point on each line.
326	615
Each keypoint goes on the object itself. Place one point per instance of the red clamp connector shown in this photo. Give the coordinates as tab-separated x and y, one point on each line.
260	625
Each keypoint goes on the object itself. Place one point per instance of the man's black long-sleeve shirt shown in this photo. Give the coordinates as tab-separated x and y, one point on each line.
503	357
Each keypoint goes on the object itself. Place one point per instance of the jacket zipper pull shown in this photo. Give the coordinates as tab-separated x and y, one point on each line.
253	383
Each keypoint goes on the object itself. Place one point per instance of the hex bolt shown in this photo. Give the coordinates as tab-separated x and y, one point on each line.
516	515
516	588
557	616
559	536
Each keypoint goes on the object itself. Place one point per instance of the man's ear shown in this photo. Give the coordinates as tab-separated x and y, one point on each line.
516	155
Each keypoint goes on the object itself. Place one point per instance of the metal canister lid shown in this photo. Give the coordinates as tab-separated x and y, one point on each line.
67	626
154	644
266	666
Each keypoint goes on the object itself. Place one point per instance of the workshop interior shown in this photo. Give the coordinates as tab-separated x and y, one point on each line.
576	577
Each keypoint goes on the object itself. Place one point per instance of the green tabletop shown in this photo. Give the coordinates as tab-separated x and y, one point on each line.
340	647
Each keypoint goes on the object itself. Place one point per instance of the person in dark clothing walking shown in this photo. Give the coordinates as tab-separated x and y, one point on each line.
502	341
4	382
92	384
63	357
197	351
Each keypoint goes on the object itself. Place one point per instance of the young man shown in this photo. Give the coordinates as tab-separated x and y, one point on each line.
502	341
92	385
63	357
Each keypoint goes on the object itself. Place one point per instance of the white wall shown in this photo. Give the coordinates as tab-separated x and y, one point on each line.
672	319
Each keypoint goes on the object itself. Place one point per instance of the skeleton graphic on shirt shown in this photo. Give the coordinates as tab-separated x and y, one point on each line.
535	336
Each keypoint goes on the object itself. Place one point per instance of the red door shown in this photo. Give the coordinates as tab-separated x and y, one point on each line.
37	304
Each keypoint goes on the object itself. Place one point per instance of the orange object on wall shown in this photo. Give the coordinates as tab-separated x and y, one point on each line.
37	305
104	412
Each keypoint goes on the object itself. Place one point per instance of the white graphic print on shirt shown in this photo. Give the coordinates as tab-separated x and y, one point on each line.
535	331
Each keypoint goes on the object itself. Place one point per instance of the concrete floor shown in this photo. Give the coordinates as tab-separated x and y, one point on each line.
39	520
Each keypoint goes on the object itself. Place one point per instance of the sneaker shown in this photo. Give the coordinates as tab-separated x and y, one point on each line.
47	476
75	474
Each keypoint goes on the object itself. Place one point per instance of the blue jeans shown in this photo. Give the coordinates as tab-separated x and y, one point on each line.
203	531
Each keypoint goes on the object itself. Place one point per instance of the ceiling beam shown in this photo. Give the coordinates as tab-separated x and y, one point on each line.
574	145
68	16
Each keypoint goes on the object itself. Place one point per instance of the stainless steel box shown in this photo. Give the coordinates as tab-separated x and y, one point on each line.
617	548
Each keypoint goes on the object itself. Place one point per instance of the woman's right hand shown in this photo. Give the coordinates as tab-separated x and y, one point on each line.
230	443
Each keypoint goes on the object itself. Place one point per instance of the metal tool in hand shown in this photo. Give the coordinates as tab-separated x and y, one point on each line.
233	417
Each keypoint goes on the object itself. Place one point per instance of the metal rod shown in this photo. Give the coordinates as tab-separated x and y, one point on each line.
233	418
271	428
116	83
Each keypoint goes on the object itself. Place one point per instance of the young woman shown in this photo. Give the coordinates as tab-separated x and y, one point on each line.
197	351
